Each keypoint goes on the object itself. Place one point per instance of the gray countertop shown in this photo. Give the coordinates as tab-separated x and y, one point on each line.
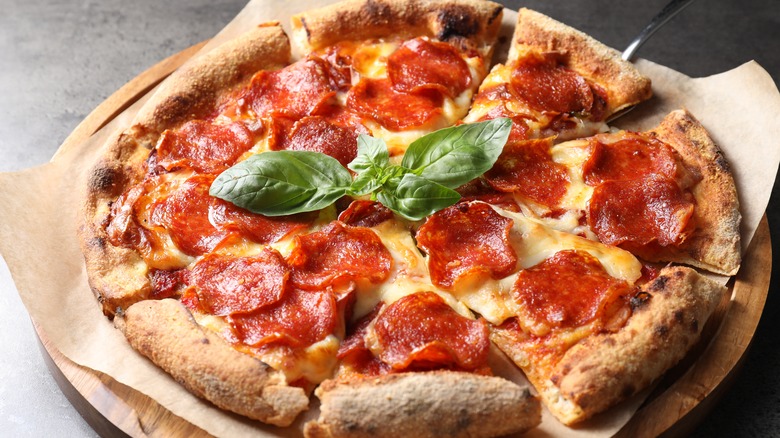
59	59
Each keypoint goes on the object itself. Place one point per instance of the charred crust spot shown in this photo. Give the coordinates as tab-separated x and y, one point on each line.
639	300
555	379
377	12
105	179
464	421
694	325
205	341
661	330
679	316
177	104
351	426
496	13
456	22
98	242
305	28
721	162
659	284
679	274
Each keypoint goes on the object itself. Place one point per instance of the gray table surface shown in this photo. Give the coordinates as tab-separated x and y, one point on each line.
59	59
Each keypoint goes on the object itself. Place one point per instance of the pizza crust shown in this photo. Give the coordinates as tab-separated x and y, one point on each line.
606	368
624	85
195	91
117	275
461	22
715	244
429	404
166	333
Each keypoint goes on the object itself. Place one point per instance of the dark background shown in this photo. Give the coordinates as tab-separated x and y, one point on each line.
59	59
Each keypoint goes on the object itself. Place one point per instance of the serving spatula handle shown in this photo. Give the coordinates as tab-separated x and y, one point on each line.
670	10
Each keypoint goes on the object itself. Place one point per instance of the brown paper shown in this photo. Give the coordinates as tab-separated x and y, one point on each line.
40	208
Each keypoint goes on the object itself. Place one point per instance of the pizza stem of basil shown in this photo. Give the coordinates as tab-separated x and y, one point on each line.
280	183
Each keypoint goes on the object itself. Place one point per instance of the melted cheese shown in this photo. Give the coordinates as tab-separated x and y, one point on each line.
573	155
371	62
501	75
314	363
534	242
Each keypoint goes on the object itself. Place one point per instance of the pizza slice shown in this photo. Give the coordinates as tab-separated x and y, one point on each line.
403	332
414	65
175	130
666	194
557	82
588	323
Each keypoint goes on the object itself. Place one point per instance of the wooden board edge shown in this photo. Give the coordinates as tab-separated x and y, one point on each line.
111	408
684	404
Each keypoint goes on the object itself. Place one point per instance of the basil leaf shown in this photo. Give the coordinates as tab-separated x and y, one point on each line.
371	154
365	183
283	182
456	155
415	197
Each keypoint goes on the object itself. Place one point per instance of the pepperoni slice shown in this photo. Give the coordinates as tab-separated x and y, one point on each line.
422	331
228	285
123	229
568	290
547	86
203	146
365	214
256	227
479	190
325	135
185	215
638	212
630	158
300	89
300	319
528	169
519	131
354	353
338	253
420	64
166	283
377	99
467	241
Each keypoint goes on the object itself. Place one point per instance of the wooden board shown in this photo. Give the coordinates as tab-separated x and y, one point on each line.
678	403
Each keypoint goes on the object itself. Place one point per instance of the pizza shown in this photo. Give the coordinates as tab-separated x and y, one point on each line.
366	231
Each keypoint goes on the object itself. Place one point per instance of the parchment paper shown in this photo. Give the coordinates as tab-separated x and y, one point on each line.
39	208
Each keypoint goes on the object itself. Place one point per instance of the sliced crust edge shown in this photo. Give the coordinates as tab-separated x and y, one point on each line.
165	332
424	404
715	244
605	369
584	54
469	23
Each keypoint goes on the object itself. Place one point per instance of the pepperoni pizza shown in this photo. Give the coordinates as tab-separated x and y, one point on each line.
566	255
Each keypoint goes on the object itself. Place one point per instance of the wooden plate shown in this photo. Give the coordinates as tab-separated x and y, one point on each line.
678	403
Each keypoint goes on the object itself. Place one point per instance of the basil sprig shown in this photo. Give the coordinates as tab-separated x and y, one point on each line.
287	182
